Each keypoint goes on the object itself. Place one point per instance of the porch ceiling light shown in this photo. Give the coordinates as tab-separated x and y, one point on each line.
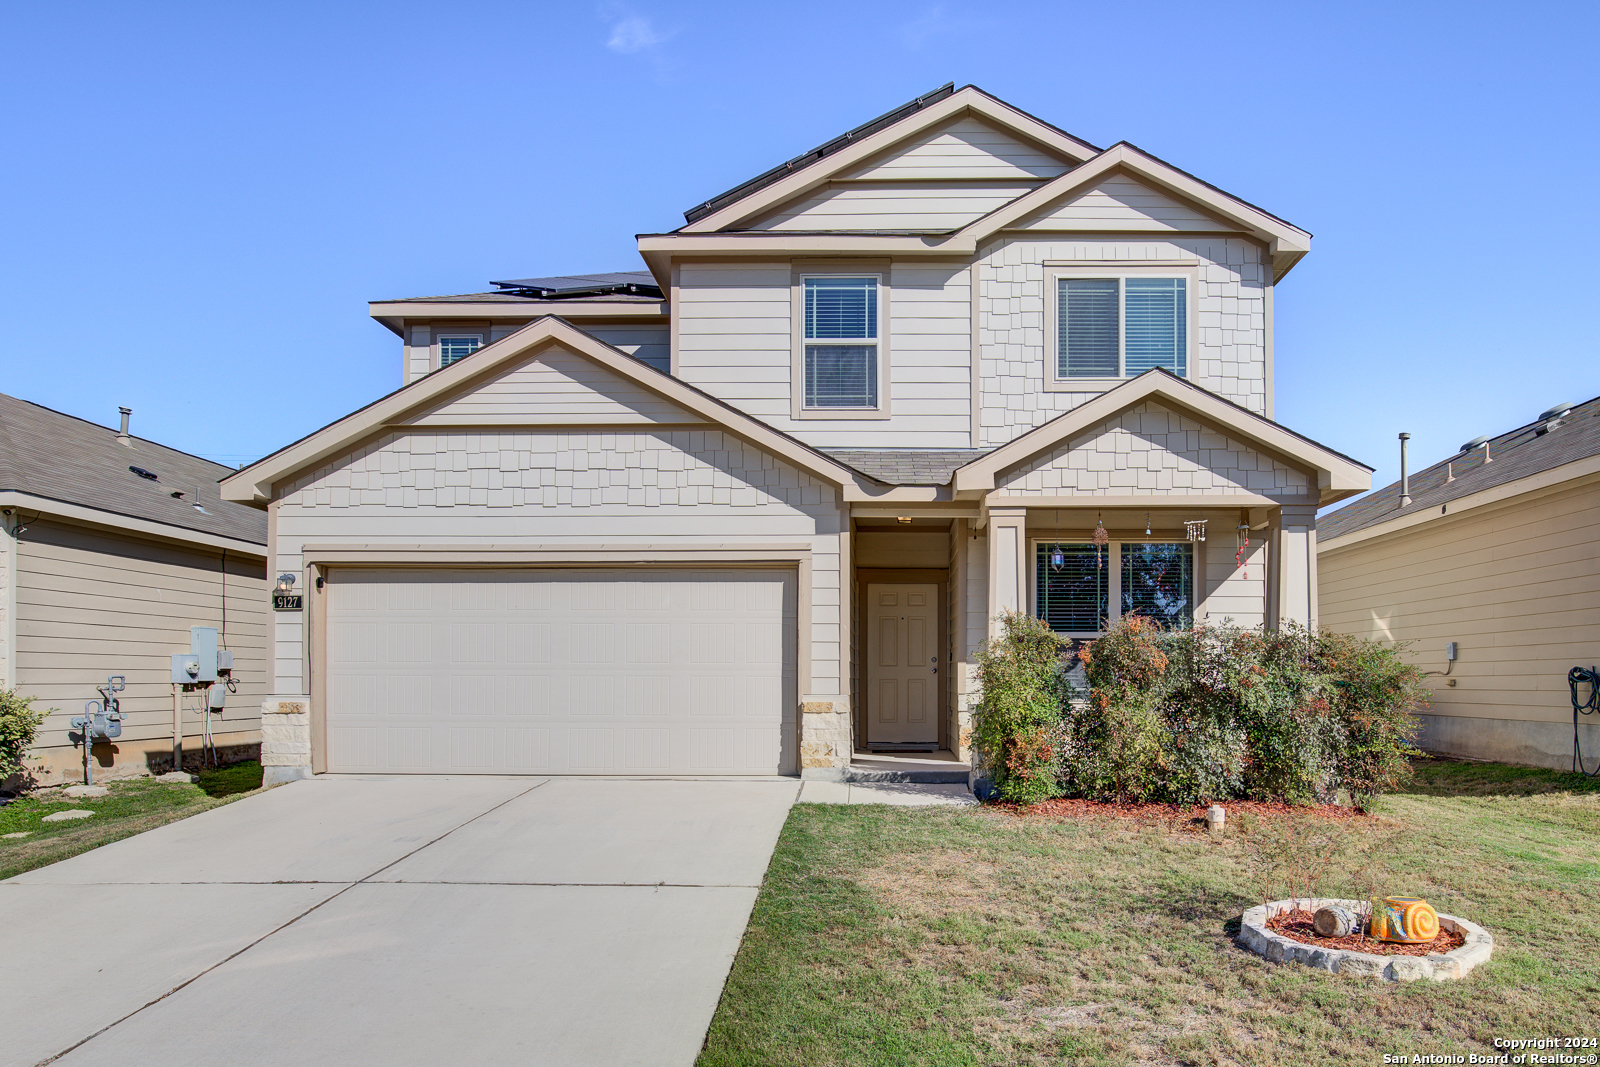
903	518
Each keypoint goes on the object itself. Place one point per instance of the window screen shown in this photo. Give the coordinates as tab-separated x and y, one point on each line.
1089	346
1158	582
1071	587
839	374
1121	327
1156	321
454	348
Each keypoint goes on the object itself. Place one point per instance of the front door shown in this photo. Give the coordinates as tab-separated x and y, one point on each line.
903	665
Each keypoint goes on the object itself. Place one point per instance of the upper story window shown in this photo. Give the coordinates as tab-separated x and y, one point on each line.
454	348
1120	327
841	342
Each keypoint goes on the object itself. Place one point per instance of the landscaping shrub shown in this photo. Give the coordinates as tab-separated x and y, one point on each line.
1218	711
19	722
1186	716
1016	724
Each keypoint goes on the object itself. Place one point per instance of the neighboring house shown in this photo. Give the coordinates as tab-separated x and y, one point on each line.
1497	552
113	547
755	508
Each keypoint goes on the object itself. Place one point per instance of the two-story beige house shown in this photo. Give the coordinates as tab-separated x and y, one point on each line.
752	510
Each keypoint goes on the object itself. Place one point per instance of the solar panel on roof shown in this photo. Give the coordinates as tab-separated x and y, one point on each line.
640	282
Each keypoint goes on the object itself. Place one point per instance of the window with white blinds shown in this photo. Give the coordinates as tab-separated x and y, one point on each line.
1079	588
1072	584
841	334
454	348
1121	327
1157	581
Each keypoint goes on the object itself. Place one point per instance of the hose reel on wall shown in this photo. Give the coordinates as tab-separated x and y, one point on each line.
1575	677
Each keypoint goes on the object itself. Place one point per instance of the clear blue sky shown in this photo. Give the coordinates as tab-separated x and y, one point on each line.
199	199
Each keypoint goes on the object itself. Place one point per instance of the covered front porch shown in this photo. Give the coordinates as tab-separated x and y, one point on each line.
1155	498
928	588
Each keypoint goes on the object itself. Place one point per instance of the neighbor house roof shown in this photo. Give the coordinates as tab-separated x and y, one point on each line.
48	457
1530	449
907	466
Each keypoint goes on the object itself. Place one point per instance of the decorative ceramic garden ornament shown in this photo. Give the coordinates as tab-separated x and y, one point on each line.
1408	920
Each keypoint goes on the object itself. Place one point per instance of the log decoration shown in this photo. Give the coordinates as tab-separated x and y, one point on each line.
1407	920
1335	922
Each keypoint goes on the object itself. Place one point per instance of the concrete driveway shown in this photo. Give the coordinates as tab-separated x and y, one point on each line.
353	920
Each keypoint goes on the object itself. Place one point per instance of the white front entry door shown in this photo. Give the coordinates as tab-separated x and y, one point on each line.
561	671
903	664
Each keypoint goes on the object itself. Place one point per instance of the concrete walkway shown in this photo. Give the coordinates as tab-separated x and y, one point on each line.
899	794
392	921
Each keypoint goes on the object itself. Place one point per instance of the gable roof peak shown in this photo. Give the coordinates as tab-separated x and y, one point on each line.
887	129
827	148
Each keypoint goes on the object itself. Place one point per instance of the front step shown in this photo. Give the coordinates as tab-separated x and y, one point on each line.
868	767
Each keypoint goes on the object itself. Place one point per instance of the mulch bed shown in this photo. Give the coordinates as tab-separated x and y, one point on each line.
1190	817
1296	925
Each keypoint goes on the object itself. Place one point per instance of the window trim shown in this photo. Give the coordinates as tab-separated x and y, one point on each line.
799	272
1054	272
1113	550
439	338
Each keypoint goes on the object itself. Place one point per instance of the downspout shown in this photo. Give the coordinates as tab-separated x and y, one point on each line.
9	521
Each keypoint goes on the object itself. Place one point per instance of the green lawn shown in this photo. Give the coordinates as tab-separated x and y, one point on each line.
133	806
959	936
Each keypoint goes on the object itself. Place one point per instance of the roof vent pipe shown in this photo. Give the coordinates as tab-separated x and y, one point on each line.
122	434
1405	478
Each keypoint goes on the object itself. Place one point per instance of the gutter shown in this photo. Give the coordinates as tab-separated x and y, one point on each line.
20	501
1545	481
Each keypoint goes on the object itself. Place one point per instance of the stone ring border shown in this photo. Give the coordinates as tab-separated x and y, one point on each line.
1255	936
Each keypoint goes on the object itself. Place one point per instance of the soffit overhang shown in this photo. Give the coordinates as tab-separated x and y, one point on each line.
394	314
1286	243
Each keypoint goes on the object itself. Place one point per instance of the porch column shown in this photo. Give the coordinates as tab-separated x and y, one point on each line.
1008	563
1297	565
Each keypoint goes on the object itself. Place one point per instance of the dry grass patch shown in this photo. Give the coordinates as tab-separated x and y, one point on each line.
973	937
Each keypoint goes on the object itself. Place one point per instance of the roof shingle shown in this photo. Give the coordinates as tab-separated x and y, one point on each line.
1518	454
899	466
48	454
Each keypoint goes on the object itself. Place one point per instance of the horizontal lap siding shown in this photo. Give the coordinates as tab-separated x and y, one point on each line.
648	344
735	340
1517	585
92	604
1228	355
966	148
1235	585
893	206
548	487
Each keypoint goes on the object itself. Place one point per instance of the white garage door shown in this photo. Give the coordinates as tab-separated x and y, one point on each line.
561	671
